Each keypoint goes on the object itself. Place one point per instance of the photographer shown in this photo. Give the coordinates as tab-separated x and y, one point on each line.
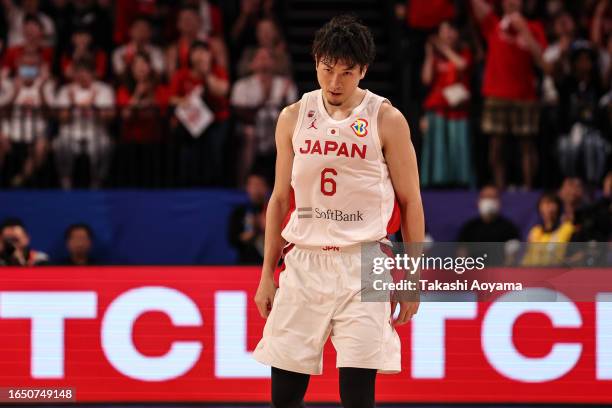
16	245
247	222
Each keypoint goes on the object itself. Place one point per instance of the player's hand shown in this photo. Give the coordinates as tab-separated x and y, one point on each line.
407	310
265	295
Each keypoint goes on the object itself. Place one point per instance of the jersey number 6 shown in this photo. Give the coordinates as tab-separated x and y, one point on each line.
328	184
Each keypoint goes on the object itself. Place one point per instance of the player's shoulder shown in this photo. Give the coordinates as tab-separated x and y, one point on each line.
388	112
390	118
392	125
287	121
289	115
293	109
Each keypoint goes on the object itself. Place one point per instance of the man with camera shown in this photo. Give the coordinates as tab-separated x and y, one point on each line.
15	246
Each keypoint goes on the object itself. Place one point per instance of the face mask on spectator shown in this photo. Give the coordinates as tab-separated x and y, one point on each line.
488	207
28	71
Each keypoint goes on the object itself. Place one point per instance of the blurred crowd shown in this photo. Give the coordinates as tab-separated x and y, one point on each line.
98	93
15	248
524	84
511	94
160	93
571	214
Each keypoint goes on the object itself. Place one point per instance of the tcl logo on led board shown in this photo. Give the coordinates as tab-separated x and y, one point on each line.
186	334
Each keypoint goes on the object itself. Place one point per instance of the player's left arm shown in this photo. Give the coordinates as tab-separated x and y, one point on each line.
401	160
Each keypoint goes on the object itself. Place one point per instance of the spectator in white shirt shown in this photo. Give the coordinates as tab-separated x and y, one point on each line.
86	107
15	18
557	56
257	101
23	134
268	36
140	41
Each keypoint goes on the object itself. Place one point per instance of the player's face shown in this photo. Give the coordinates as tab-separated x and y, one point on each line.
338	80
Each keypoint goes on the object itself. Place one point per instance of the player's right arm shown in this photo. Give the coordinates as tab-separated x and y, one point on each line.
278	206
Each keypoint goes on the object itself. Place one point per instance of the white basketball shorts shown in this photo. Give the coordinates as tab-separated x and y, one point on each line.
319	297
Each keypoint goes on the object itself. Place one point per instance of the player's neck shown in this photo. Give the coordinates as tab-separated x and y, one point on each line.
343	111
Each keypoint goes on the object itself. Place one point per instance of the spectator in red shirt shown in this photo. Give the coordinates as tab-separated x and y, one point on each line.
188	24
426	15
509	86
128	11
140	41
421	19
34	43
196	90
601	23
141	100
446	152
82	47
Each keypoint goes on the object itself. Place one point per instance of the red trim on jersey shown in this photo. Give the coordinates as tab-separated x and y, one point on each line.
290	246
286	250
395	221
396	274
386	249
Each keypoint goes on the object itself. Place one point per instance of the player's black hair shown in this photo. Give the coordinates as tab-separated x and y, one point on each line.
79	225
344	38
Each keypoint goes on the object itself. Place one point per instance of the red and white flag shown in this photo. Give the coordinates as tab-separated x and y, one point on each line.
332	132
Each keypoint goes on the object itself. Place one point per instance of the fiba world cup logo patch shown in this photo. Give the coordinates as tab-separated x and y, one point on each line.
360	127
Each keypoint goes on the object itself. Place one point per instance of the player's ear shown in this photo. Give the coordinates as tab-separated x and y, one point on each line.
364	69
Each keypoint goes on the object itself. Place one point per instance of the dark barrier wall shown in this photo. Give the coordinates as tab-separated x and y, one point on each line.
190	227
163	227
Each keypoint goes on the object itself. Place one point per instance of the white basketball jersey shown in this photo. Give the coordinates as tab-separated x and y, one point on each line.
342	193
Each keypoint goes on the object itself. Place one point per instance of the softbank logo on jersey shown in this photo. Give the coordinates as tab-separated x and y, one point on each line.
338	215
328	214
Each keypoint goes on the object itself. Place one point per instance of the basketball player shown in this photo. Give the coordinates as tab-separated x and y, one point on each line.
346	174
